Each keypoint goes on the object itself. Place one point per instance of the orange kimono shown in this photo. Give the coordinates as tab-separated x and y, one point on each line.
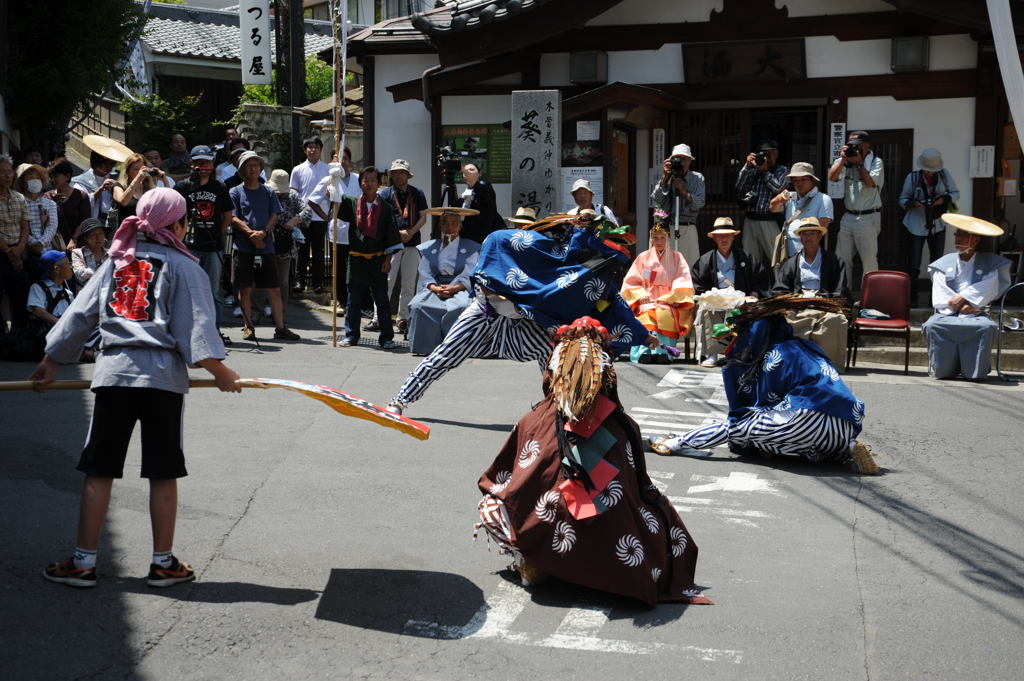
667	283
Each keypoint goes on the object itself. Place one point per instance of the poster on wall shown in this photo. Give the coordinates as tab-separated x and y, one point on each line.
837	139
489	146
593	175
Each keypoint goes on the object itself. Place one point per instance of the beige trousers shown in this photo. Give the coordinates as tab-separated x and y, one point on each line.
827	329
706	319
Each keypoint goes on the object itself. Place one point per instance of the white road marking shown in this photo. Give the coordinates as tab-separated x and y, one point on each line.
661	474
576	631
675	426
669	412
735	482
583	620
667	394
717	401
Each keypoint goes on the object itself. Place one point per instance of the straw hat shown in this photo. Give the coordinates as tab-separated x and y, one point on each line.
108	148
971	224
723	226
279	181
452	210
810	225
524	216
25	167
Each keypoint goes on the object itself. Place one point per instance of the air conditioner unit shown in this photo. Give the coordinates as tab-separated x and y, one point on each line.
588	68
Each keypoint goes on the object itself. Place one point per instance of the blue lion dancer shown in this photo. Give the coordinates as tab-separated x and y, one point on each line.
785	397
529	282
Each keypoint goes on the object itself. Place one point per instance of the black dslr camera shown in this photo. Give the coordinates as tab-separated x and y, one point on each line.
748	202
852	151
760	158
678	167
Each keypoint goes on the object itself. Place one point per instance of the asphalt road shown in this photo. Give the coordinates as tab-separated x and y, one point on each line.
329	547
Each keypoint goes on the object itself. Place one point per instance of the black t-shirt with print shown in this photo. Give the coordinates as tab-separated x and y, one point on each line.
206	205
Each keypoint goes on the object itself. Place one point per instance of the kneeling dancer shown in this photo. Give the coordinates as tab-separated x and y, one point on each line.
785	397
569	495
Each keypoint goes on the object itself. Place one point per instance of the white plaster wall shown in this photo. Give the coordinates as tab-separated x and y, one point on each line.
643	193
813	8
489	110
664	65
943	124
827	56
554	69
658	12
402	130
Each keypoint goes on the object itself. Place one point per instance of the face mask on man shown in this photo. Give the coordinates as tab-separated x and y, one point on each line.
34	186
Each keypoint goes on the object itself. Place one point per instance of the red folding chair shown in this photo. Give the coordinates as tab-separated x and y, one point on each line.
888	292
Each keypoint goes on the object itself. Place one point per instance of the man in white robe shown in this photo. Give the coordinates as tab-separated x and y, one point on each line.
960	335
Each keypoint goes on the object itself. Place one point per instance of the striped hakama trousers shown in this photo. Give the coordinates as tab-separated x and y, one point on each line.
475	334
810	434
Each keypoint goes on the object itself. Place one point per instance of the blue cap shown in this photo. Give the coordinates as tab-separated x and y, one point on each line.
48	259
201	153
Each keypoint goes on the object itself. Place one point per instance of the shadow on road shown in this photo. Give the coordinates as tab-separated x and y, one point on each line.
229	592
498	427
387	600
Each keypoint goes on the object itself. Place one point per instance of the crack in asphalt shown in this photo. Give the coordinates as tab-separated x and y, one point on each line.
860	586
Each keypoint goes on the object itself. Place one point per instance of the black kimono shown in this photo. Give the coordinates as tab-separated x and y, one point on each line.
833	277
751	276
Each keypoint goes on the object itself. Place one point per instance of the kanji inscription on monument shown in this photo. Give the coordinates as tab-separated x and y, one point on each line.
536	150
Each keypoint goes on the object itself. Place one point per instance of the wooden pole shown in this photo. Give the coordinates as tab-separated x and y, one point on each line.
85	385
339	16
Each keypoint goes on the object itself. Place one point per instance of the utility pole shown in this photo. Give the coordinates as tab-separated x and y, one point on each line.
291	65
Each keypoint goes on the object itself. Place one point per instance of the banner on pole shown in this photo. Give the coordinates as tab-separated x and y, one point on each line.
254	23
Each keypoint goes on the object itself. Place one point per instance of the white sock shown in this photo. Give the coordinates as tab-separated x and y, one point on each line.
84	559
162	558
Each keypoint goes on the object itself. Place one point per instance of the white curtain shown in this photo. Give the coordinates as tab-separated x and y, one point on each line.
1009	59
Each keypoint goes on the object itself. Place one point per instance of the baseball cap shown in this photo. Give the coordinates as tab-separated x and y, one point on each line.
201	153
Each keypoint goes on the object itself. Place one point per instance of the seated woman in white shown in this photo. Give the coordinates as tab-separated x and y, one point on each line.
960	336
443	290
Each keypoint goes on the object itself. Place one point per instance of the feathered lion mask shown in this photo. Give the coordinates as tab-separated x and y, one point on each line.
580	366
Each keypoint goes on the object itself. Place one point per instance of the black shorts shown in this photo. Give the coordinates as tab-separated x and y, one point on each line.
113	420
245	274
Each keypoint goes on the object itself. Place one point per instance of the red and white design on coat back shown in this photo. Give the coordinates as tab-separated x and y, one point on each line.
131	291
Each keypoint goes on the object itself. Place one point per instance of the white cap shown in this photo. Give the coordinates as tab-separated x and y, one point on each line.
581	183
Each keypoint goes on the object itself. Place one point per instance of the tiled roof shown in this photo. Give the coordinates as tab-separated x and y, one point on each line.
213	34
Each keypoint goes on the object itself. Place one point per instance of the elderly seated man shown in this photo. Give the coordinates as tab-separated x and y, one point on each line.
959	334
446	265
725	267
815	272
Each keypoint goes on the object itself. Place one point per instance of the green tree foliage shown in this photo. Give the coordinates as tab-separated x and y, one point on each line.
319	84
63	54
158	117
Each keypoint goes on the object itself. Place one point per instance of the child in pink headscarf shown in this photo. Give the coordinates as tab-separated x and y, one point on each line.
154	309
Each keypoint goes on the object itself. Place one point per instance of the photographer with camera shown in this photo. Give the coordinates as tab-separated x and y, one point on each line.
136	179
685	188
760	180
863	174
805	202
927	194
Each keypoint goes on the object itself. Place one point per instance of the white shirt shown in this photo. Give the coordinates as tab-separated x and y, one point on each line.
90	182
978	294
320	197
37	297
726	270
599	208
305	177
226	170
810	272
446	262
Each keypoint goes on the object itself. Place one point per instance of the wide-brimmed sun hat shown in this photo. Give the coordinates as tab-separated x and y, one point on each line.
524	216
968	223
810	225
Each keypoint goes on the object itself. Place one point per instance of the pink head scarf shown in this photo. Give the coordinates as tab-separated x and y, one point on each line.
155	212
